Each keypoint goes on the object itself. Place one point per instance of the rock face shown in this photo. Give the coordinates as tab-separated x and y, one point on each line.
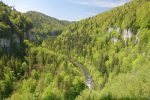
16	39
114	39
136	38
130	34
119	30
31	36
127	34
4	43
110	29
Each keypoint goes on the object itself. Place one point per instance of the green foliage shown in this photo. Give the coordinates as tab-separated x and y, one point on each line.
45	26
134	84
13	29
90	42
52	78
119	69
6	84
35	74
51	93
24	66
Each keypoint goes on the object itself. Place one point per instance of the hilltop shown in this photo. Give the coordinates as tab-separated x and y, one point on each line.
104	57
44	25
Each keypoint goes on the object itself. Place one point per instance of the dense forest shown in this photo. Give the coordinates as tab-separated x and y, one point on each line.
105	57
44	26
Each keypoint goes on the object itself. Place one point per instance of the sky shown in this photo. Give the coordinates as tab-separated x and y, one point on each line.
71	10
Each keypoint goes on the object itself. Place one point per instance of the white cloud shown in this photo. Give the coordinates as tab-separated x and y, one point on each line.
100	3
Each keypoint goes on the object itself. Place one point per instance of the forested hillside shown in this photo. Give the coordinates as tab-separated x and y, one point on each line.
14	28
45	26
105	57
115	48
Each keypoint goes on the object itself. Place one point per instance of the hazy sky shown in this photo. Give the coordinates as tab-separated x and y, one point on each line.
71	10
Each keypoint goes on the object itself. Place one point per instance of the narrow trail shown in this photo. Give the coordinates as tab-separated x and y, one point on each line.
88	79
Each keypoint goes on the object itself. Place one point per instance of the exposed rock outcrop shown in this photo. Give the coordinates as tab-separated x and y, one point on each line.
31	36
127	34
119	30
110	29
15	39
114	39
4	43
136	38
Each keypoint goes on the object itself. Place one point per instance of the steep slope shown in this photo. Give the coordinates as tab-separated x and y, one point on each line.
113	46
14	27
24	65
45	25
